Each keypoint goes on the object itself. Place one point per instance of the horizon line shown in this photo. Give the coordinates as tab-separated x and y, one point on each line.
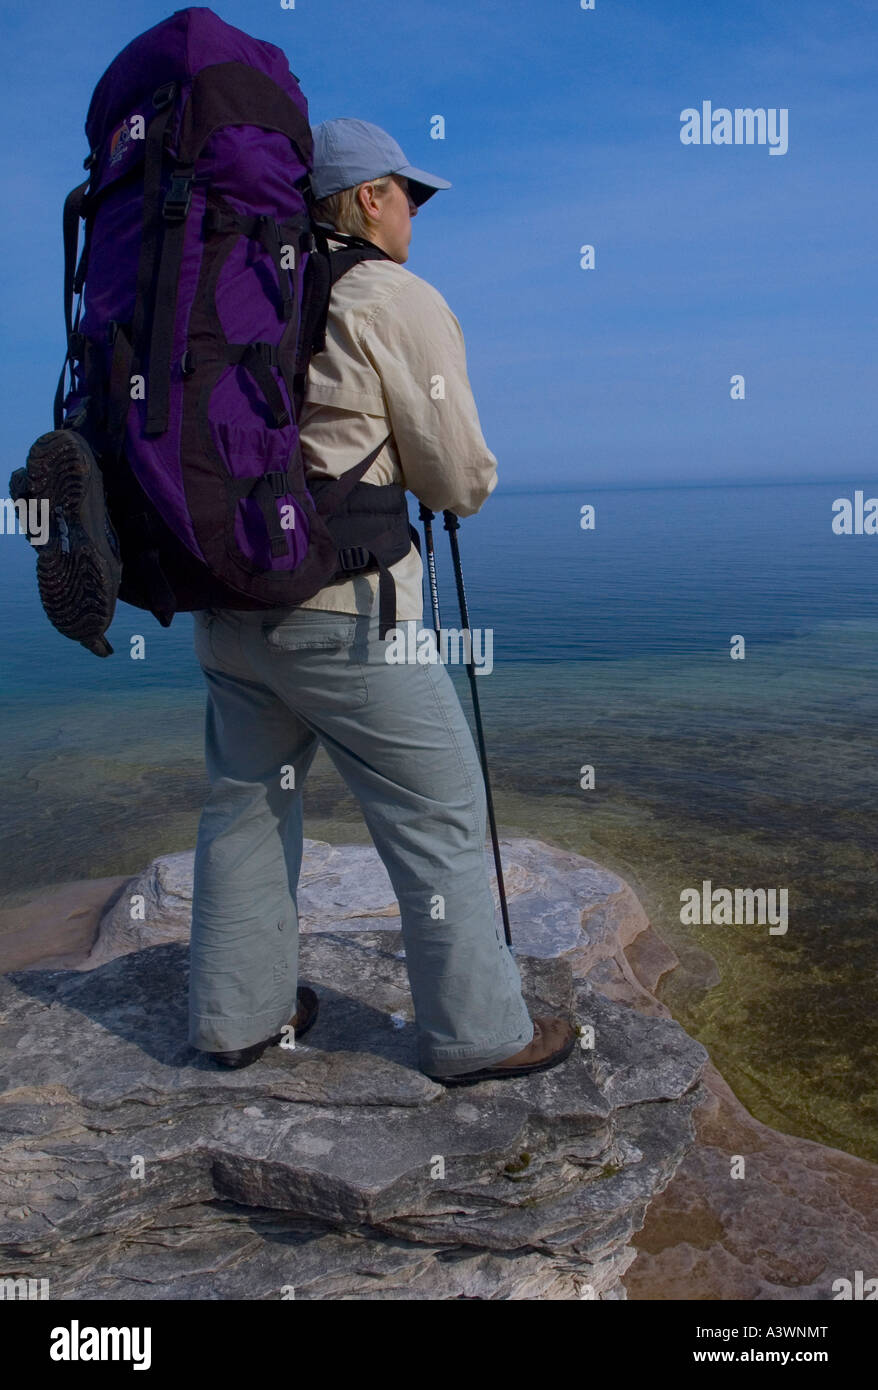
702	483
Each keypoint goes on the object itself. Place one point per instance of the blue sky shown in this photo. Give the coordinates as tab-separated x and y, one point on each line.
562	128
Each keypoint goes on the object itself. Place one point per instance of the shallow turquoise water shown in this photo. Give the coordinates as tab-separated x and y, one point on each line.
611	648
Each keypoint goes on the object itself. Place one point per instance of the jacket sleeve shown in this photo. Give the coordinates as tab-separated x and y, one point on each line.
416	346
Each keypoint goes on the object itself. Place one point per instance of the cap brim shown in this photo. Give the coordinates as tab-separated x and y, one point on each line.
421	184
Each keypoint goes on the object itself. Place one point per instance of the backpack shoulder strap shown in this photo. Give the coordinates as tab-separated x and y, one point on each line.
332	266
324	269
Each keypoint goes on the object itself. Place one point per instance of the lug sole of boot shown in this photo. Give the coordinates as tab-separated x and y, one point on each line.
472	1078
78	571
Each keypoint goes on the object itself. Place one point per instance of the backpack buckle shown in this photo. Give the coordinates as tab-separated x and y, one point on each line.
178	199
353	557
278	482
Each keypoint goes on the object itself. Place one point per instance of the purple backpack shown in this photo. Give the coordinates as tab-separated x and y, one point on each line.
206	285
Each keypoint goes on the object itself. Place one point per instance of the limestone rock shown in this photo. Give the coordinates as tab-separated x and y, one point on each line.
316	1169
335	1166
131	1167
154	907
558	902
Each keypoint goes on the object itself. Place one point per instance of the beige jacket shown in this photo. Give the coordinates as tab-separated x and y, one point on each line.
394	363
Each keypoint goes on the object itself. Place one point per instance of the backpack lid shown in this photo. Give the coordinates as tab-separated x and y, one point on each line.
174	51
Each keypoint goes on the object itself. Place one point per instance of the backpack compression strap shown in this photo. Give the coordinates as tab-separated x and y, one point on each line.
128	338
73	211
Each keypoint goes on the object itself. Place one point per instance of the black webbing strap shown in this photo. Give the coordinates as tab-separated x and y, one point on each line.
175	211
163	600
386	600
386	581
73	211
223	221
128	353
386	587
332	497
315	308
256	358
324	269
152	192
146	560
268	235
268	489
340	262
73	205
265	489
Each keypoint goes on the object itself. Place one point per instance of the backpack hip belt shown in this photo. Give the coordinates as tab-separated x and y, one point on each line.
372	531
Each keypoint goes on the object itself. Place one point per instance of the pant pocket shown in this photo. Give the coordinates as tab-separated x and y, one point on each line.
310	629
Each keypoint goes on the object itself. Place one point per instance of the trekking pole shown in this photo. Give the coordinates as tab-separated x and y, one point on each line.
426	516
452	525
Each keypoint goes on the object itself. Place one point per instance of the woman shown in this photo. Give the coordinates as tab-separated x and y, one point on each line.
391	381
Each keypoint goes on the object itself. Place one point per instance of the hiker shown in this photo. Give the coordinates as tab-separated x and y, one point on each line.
281	681
178	485
173	488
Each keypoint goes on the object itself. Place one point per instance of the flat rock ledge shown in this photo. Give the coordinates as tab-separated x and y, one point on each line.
132	1168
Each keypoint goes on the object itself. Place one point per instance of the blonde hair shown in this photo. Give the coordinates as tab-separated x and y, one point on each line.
343	209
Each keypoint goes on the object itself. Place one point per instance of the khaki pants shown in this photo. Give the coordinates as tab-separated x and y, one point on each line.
278	681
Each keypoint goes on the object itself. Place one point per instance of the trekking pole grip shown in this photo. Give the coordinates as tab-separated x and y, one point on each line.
426	516
452	526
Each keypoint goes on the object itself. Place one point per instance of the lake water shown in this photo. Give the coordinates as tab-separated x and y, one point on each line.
611	648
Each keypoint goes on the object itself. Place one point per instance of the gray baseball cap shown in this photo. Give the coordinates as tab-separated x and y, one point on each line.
348	152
